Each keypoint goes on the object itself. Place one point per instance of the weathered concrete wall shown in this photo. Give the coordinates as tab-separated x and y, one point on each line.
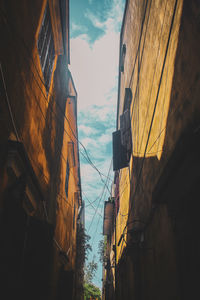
39	119
162	69
142	72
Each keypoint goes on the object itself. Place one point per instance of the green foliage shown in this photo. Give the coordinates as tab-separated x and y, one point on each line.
83	246
82	251
87	272
91	292
90	270
102	249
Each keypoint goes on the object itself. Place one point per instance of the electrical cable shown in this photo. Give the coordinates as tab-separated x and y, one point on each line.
94	236
17	136
140	38
63	159
16	131
62	153
91	204
96	210
153	75
138	177
8	103
102	206
148	103
103	190
88	158
138	48
156	100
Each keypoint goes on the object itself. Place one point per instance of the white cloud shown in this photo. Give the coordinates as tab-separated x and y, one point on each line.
76	27
95	66
104	139
94	69
95	20
113	17
86	129
91	142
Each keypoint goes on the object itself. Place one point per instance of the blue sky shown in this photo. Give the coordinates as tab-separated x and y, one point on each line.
94	46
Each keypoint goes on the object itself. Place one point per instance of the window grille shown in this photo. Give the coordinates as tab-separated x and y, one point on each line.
67	179
46	48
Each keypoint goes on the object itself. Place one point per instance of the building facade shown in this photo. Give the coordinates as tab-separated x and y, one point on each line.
156	154
40	190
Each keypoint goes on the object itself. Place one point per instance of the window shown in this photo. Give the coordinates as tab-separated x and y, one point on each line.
116	192
122	139
46	48
71	154
127	99
122	58
119	152
67	179
74	215
77	198
125	131
23	183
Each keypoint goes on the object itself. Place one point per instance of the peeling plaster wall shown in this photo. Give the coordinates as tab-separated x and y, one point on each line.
40	122
164	107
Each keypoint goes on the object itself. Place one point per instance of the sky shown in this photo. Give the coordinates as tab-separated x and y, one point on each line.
94	54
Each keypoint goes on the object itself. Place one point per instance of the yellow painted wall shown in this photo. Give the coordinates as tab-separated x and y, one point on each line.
65	231
157	124
38	116
142	71
122	216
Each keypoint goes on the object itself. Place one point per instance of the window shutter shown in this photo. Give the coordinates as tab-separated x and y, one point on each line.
67	179
125	129
119	152
123	53
117	193
74	215
77	198
46	49
71	155
127	98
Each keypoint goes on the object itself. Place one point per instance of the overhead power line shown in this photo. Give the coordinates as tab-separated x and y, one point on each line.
86	156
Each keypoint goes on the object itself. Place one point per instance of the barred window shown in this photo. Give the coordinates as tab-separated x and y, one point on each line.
67	179
46	47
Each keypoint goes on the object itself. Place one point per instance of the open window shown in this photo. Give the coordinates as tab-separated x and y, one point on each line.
46	47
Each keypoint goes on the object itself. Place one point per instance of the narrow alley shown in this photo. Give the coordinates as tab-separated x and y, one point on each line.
99	151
